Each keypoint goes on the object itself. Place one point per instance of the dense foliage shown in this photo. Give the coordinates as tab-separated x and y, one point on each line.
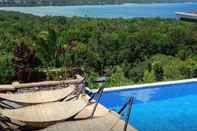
127	50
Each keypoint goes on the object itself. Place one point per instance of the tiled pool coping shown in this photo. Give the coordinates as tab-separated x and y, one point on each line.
137	86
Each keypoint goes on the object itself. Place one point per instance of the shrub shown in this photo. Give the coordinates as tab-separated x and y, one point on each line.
6	69
118	78
149	77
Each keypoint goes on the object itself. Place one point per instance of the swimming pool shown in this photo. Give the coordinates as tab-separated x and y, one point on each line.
171	107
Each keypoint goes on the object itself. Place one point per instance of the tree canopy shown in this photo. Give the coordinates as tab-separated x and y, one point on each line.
126	50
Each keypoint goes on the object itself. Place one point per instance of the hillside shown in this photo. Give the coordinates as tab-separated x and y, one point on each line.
126	50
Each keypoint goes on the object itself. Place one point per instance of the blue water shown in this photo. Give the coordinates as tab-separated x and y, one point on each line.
164	108
165	10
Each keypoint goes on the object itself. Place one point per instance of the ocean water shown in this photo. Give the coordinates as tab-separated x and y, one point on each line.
164	10
162	108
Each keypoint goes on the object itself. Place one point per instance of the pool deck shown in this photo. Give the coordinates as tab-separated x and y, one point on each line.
148	85
101	111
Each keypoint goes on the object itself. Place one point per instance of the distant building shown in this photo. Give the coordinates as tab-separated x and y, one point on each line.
187	15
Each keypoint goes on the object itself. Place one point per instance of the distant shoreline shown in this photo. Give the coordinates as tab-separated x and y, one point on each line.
126	10
88	4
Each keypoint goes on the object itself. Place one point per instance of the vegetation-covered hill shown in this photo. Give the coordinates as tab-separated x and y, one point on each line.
79	2
126	50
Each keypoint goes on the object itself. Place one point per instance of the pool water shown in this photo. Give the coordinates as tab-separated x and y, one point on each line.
161	108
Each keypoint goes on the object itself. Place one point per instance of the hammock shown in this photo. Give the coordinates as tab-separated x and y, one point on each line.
45	114
110	122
